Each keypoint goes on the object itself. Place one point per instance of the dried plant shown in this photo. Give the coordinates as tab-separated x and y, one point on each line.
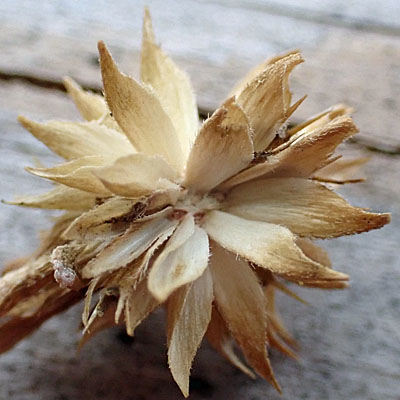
207	221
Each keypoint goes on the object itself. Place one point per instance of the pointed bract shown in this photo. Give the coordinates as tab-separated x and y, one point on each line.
302	155
77	174
139	113
126	248
305	207
266	99
342	171
61	197
220	338
184	259
189	313
137	175
241	302
257	70
172	86
91	105
72	140
222	148
268	245
139	304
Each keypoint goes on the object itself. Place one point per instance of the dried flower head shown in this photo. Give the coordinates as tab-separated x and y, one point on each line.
207	220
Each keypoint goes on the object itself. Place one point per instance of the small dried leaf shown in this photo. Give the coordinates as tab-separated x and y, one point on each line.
105	321
139	304
88	300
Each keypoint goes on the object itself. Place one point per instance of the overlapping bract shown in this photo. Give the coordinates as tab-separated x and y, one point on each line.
204	220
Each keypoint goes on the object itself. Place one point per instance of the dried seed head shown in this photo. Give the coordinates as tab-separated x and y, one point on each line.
203	220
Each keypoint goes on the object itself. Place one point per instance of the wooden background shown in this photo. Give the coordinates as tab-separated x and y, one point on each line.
350	339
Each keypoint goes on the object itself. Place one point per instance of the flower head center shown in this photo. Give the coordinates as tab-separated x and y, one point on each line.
196	204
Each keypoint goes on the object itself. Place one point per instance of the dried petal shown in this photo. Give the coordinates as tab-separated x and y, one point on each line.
72	140
127	247
220	338
241	302
137	175
311	250
104	217
189	312
305	153
312	150
266	100
342	171
91	106
222	148
61	197
139	304
172	86
320	120
305	207
77	174
139	113
267	245
257	70
183	260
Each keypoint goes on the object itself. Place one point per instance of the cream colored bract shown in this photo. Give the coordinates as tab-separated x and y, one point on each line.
204	219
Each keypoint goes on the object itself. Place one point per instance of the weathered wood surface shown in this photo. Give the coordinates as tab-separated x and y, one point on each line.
350	339
217	42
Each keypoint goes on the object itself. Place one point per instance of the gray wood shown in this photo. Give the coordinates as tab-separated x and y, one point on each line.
358	14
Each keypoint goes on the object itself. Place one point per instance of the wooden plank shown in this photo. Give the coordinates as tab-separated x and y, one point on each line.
357	14
217	43
349	339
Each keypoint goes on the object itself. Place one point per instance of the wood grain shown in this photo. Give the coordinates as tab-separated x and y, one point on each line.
349	339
